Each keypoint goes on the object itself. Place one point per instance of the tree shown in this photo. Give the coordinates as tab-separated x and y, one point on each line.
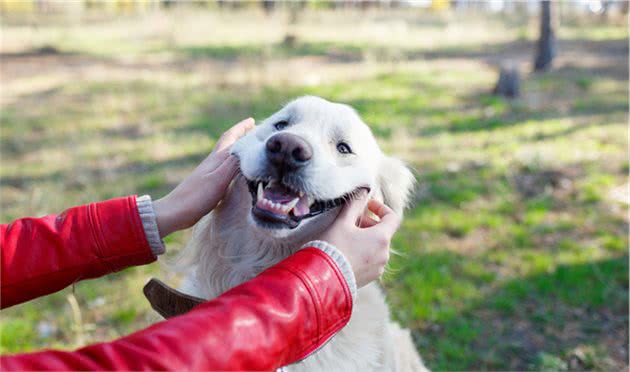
546	48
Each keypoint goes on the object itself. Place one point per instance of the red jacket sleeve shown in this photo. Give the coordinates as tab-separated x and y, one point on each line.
279	317
44	255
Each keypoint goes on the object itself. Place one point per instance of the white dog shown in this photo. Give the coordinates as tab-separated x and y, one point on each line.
297	168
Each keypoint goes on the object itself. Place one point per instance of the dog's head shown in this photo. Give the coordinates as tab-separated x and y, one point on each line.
302	163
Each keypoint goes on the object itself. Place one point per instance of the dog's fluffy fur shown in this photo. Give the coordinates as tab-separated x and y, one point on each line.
229	246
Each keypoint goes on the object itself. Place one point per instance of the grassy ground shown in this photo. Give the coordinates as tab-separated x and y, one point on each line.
514	255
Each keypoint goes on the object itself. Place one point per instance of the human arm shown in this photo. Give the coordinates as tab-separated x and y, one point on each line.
202	189
44	255
277	318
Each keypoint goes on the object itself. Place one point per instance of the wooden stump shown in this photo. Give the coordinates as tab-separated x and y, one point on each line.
509	82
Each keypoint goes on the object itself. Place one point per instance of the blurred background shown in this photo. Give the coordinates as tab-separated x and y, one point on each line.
513	115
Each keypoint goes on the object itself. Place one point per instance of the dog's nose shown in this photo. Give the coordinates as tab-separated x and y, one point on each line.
288	151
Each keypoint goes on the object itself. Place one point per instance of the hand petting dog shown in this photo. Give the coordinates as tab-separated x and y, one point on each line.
202	190
363	240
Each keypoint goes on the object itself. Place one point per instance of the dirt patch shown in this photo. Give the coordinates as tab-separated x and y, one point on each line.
531	183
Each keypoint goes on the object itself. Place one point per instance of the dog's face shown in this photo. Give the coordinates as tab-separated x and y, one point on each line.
306	160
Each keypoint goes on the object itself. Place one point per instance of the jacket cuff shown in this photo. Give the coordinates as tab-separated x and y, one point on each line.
341	261
119	239
149	224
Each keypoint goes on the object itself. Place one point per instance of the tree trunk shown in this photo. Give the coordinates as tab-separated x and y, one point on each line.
268	6
547	42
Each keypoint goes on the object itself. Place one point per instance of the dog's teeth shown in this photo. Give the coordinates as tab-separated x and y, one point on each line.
260	191
290	205
310	200
286	209
301	194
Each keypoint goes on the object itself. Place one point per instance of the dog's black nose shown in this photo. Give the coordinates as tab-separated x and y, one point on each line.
288	151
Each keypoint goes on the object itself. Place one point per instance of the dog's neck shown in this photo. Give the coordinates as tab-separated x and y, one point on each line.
235	253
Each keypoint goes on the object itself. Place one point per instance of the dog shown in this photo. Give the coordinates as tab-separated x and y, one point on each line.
296	169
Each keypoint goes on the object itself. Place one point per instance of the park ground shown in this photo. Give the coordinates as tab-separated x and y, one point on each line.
514	254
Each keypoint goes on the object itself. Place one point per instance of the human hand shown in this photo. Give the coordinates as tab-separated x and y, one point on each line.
363	240
202	190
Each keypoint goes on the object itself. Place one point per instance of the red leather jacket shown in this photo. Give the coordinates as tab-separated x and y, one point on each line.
279	317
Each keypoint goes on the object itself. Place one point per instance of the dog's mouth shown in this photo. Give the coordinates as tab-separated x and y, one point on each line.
278	205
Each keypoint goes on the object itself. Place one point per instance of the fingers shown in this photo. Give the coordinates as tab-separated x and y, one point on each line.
233	134
388	224
354	209
227	170
219	156
378	208
389	220
366	221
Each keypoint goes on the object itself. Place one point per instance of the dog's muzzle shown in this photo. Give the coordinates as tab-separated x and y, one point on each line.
277	205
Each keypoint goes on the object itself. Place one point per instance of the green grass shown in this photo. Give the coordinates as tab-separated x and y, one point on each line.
513	254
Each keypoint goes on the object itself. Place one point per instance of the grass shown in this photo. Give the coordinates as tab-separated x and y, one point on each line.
514	253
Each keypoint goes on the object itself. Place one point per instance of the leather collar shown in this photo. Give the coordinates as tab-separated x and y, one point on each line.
167	301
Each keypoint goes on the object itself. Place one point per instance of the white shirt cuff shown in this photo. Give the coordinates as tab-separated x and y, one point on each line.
149	223
341	261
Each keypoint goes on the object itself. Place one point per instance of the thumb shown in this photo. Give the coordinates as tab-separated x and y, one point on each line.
354	209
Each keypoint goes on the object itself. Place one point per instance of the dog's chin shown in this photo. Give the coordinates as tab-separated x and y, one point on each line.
279	207
279	230
272	221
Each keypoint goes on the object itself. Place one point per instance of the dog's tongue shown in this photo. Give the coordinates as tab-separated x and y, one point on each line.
280	194
302	207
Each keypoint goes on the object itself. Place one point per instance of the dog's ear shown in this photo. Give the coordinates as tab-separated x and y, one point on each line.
396	183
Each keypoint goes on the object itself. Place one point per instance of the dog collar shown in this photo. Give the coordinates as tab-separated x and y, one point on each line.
167	301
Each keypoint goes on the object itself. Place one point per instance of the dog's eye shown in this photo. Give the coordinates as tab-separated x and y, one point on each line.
344	148
281	125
